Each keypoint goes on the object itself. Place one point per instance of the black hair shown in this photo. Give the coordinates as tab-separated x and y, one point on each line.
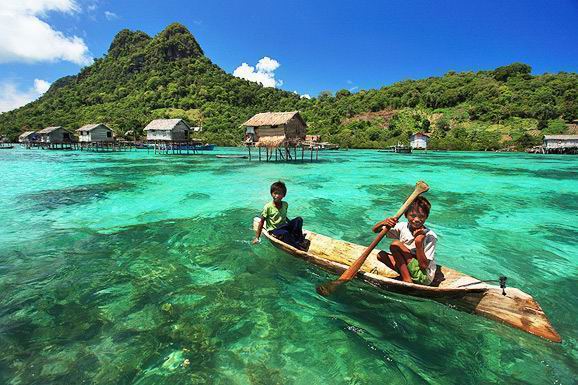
279	187
420	203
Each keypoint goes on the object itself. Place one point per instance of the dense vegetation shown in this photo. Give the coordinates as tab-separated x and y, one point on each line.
142	78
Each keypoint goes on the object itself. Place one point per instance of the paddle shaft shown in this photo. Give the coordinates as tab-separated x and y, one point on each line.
348	274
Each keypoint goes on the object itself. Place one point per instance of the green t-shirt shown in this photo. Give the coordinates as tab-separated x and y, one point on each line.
274	217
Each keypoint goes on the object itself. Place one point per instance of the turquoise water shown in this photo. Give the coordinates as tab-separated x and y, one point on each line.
116	268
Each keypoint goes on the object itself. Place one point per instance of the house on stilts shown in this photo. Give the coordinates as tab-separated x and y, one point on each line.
56	138
28	137
171	136
280	134
95	133
419	140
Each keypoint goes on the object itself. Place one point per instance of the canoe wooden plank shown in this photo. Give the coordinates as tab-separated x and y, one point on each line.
516	308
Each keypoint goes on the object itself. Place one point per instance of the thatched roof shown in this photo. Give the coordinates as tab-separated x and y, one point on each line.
48	130
560	137
272	119
164	124
90	127
271	141
277	141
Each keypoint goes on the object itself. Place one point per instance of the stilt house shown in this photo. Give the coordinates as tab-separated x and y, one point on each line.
275	129
170	130
560	143
419	140
95	133
28	136
55	135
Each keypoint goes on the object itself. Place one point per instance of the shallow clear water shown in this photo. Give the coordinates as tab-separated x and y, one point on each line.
115	268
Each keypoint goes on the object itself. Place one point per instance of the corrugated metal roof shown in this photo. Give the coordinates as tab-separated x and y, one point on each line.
272	119
26	134
48	130
560	137
164	124
90	127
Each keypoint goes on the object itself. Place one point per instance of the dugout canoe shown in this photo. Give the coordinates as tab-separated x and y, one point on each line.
450	287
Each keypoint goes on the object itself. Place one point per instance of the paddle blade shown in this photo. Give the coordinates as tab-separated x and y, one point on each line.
421	187
329	288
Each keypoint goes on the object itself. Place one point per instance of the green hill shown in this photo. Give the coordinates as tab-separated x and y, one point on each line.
143	78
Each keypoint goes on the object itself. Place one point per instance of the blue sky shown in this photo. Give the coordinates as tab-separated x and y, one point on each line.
313	45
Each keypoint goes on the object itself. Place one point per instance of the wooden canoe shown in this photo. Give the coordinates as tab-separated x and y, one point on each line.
451	287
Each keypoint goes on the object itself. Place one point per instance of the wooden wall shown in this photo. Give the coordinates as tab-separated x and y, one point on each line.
97	134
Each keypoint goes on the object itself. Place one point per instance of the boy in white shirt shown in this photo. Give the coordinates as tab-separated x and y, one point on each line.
412	252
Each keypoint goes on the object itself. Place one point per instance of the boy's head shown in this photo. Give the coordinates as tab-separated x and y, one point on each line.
417	212
278	191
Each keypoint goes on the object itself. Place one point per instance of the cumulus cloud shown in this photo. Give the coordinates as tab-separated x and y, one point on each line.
304	96
24	37
41	86
110	15
263	72
11	97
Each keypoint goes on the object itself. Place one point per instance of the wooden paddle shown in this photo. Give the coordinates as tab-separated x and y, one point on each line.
329	287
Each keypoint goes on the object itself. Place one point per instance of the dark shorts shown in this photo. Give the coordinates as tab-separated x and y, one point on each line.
291	232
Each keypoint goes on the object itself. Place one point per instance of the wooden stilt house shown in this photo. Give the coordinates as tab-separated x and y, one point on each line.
560	144
168	130
274	129
419	140
95	133
56	135
280	133
28	136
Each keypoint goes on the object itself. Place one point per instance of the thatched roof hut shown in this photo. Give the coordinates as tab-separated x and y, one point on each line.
275	129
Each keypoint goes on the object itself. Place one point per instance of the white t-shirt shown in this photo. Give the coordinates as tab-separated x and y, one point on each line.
402	232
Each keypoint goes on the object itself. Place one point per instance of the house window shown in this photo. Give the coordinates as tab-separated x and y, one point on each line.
109	134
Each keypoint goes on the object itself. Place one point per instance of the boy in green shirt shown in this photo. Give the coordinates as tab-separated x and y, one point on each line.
274	218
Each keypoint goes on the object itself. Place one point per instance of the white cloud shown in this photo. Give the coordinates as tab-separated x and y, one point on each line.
304	96
264	73
41	86
110	15
24	37
11	97
267	64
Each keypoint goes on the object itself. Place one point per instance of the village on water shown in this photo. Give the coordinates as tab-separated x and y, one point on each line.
282	136
285	193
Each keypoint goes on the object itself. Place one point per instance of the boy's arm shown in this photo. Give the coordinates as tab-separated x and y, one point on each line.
424	256
390	222
419	252
259	229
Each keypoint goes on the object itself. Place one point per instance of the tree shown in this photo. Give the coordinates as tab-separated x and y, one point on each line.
515	69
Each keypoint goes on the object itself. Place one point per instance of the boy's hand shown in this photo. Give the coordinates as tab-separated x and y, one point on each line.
419	235
389	222
256	240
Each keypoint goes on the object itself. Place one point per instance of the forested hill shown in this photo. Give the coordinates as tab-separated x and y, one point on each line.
142	78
